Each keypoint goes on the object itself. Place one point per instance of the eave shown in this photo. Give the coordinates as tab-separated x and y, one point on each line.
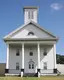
31	39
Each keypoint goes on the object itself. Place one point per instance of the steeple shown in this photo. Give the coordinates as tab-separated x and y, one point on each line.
30	13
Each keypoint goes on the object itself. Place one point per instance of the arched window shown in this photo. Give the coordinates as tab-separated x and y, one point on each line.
30	33
31	64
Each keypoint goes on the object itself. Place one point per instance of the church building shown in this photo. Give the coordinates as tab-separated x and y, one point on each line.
31	50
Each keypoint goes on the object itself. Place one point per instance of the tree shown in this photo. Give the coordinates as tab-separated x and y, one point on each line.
59	59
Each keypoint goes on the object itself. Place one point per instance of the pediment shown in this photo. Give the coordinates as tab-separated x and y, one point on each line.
30	30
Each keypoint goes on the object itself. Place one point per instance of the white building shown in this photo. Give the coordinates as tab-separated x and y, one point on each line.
30	49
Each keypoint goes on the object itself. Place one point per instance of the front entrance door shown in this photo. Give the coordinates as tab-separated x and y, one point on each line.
31	67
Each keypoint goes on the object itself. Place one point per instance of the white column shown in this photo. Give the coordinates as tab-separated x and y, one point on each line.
22	59
54	48
38	48
7	61
23	56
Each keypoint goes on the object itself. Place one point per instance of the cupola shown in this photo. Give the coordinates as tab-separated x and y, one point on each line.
30	13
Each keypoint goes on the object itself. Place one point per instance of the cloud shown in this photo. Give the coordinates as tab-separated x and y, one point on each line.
56	6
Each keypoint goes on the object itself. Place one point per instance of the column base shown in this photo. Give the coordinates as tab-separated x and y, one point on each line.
55	70
38	72
6	70
22	72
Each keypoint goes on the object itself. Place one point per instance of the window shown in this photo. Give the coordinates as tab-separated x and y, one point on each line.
31	53
17	66
17	52
45	52
30	33
31	64
30	15
45	65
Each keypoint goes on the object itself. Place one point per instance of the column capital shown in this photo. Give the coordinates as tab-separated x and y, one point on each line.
22	43
38	43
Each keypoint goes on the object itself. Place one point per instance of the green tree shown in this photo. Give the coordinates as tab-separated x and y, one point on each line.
59	59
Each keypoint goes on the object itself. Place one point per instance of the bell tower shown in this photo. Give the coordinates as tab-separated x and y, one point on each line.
30	13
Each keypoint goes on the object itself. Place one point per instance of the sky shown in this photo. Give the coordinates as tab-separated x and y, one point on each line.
50	17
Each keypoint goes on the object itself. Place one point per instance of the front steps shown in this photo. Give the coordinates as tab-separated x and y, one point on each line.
53	74
8	74
30	74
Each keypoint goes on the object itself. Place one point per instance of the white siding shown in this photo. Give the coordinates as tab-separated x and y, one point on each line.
49	58
13	58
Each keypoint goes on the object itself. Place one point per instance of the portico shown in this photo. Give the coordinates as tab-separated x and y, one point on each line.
29	45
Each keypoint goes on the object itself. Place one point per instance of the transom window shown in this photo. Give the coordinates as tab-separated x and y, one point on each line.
17	52
17	66
45	65
45	51
30	33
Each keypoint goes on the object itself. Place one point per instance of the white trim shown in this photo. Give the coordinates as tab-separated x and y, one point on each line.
32	42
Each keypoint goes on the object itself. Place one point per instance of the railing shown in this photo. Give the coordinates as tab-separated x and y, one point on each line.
48	71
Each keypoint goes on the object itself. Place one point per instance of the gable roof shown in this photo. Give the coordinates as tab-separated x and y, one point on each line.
7	37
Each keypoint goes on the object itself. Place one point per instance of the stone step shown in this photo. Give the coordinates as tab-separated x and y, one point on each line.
30	74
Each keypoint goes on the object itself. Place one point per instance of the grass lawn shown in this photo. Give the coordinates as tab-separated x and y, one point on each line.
34	78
